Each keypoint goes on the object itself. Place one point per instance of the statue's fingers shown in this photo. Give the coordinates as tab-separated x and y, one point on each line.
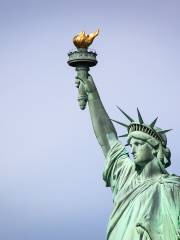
80	79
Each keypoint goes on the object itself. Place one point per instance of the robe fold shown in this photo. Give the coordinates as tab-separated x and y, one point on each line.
143	209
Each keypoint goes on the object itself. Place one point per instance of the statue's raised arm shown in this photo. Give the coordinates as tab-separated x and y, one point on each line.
102	125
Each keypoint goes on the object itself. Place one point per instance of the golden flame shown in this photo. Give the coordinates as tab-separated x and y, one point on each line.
83	40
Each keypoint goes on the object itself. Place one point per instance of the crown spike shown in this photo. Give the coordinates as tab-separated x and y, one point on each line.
153	123
163	131
122	124
128	117
140	117
125	135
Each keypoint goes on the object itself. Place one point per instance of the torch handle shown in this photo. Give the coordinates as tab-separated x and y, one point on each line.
82	73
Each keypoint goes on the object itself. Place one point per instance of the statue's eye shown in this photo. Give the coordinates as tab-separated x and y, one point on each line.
138	143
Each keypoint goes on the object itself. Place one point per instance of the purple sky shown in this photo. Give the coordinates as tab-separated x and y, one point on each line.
51	165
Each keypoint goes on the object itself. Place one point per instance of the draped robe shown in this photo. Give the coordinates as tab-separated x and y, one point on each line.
143	209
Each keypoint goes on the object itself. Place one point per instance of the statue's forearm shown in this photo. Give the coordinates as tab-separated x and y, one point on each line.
102	125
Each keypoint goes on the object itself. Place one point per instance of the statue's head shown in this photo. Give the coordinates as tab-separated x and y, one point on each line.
145	148
147	142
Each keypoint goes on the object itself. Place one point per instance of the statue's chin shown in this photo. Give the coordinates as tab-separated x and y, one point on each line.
139	163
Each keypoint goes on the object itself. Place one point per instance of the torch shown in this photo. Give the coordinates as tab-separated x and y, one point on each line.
82	59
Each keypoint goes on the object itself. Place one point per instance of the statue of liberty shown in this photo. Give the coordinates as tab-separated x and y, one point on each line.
146	198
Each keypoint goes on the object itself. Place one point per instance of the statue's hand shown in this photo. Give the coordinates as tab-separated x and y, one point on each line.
88	84
87	90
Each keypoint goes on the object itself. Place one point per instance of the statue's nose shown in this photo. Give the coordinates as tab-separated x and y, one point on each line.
133	148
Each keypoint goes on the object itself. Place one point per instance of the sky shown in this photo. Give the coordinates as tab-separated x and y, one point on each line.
51	165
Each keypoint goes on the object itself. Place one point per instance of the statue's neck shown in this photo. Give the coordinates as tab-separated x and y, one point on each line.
151	170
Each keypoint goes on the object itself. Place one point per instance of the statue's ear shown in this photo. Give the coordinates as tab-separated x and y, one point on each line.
154	143
155	152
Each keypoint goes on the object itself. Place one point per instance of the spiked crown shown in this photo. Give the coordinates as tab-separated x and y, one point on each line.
150	129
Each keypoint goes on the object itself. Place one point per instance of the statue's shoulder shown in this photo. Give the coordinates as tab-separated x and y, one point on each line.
174	176
172	179
171	188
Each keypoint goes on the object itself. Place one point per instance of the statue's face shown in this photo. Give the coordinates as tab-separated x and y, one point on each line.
142	151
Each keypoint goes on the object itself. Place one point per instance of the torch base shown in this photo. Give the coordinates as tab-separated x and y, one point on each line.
80	58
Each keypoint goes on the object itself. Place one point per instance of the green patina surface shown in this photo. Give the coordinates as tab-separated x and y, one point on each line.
146	198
